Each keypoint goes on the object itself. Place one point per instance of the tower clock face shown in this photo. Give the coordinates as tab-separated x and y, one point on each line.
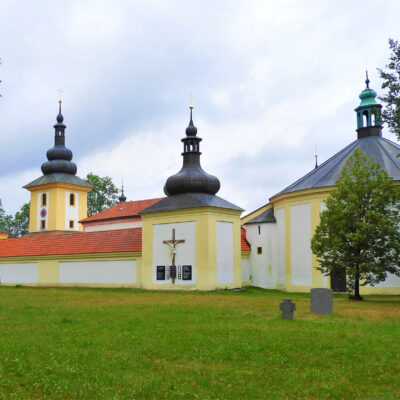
43	213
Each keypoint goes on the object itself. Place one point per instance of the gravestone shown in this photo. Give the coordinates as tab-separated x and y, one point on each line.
287	308
321	301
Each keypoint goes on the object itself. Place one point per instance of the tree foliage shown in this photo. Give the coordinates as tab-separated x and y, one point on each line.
359	230
103	195
17	225
391	82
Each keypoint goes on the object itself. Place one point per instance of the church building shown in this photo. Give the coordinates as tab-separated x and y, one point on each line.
191	239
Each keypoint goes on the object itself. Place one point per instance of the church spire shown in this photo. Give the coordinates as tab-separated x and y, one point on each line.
368	113
191	178
59	157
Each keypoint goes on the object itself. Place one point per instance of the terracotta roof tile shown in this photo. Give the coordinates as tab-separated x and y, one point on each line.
121	240
122	210
244	243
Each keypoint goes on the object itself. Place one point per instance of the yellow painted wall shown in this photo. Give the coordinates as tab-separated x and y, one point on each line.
206	245
57	205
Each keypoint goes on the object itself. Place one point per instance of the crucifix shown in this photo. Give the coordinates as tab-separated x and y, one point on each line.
60	92
172	243
191	100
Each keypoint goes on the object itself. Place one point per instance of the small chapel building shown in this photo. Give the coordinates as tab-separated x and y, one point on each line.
280	231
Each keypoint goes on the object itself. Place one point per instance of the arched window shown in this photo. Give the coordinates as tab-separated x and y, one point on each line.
44	199
373	119
365	119
71	199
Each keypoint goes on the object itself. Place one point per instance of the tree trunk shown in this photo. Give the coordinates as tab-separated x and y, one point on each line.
357	285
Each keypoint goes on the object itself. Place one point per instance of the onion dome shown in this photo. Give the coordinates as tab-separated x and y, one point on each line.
368	113
122	198
59	157
191	178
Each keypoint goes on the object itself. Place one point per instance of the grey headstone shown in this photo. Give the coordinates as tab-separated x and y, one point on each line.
321	301
287	308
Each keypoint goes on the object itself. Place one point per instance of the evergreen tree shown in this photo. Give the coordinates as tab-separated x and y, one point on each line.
391	82
103	195
359	232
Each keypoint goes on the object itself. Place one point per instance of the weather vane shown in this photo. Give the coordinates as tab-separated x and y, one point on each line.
60	92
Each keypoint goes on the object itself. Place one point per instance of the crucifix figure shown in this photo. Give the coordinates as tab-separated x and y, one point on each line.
172	243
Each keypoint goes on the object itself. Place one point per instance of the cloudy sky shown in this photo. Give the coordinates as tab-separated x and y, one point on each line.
271	80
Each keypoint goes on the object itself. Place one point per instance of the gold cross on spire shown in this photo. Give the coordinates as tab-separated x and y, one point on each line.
191	100
60	92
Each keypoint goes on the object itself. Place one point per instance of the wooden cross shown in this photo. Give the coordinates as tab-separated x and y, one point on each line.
172	243
60	92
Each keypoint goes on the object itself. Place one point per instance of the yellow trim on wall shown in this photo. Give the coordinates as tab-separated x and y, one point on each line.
255	213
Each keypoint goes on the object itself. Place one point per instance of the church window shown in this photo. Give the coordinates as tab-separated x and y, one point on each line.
44	199
71	199
259	229
372	119
43	224
71	224
259	250
365	118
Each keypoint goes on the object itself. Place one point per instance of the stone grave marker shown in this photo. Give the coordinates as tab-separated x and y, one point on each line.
287	308
321	301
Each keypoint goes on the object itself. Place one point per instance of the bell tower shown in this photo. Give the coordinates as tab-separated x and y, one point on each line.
58	198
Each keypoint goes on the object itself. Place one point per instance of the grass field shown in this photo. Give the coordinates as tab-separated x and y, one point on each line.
130	344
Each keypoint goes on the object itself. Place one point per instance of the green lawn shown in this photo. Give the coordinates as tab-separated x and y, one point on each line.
130	344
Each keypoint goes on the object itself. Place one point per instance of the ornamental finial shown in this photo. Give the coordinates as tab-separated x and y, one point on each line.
367	80
191	101
316	157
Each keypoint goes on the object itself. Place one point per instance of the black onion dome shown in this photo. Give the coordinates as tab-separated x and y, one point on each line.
191	178
59	157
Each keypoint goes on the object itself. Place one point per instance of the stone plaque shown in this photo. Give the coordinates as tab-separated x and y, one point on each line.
287	308
321	301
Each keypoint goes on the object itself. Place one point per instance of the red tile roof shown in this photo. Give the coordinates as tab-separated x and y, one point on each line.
244	243
122	210
121	240
111	241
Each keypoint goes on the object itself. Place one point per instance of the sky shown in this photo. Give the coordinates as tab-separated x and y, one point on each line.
271	80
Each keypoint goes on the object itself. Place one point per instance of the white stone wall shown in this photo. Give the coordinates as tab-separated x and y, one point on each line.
117	225
264	266
118	271
71	212
245	270
300	239
19	273
224	252
185	252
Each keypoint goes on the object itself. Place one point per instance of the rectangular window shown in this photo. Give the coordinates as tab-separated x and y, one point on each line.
259	250
71	199
43	224
161	272
186	272
71	224
259	229
44	199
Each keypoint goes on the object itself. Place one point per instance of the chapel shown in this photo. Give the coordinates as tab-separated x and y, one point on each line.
189	239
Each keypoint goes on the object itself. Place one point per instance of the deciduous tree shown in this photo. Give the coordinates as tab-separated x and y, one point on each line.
103	195
359	232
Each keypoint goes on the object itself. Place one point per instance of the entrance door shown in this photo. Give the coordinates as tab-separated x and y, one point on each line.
338	281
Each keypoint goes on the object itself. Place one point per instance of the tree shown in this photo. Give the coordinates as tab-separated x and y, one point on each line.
359	232
18	225
391	100
103	195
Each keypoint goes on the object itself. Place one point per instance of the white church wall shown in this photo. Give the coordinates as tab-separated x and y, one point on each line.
224	252
245	270
280	246
264	269
19	273
117	225
118	271
185	252
300	237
